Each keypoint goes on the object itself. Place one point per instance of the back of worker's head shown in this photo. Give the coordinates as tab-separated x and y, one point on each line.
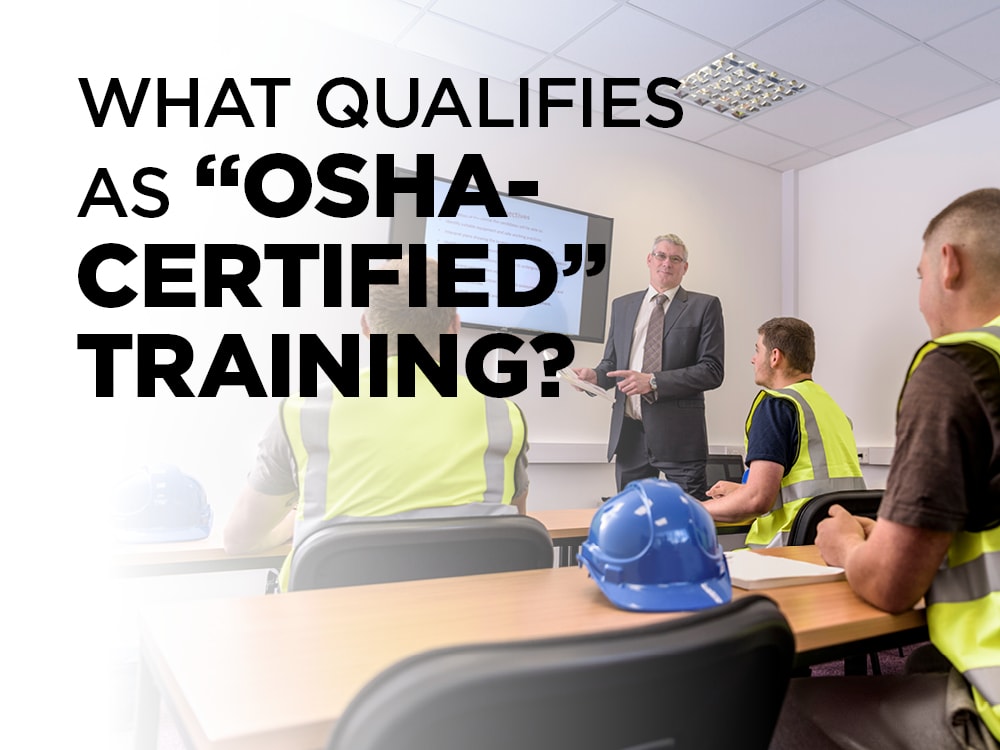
389	311
972	223
794	338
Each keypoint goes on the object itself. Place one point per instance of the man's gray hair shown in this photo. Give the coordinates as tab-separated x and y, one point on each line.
673	239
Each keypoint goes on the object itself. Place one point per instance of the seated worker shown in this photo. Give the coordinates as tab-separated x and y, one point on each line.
332	457
938	527
799	443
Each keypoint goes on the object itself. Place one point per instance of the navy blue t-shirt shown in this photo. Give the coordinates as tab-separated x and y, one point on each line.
774	433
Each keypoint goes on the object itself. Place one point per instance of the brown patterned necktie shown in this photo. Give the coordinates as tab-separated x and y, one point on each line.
652	351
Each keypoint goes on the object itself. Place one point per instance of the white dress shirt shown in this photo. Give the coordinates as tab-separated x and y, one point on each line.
633	408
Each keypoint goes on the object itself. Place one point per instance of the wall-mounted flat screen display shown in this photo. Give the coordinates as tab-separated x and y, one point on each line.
578	305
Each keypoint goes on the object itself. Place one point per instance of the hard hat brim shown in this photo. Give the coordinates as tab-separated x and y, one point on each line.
671	597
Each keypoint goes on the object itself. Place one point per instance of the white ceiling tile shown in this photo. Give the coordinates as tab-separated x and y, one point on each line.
723	20
752	145
470	48
974	44
697	124
545	26
556	67
826	42
952	106
800	161
383	20
815	118
631	43
911	80
880	132
860	59
925	19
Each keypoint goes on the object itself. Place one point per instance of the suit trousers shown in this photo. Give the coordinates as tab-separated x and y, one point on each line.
633	461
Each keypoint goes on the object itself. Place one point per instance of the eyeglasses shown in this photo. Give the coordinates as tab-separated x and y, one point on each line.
674	259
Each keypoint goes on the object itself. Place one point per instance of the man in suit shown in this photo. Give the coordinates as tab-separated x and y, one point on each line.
658	420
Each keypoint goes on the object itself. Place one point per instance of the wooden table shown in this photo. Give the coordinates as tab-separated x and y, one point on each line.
277	671
201	556
567	527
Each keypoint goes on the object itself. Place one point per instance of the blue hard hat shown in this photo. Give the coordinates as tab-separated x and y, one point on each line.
652	547
161	504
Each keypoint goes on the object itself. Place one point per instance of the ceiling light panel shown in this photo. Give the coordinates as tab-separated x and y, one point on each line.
737	86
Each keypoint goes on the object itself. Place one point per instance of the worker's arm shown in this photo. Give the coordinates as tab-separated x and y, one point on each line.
893	567
731	502
259	522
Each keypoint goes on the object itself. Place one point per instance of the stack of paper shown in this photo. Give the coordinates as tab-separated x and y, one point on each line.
749	570
589	388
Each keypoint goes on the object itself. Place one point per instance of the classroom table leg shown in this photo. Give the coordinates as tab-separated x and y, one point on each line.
147	714
571	556
567	551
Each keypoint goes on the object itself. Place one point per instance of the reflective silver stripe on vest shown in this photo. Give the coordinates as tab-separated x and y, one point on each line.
813	487
314	418
499	432
987	681
965	583
438	511
821	481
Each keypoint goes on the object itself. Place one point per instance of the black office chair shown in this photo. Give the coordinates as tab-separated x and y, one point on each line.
718	467
803	531
858	502
378	551
722	466
715	679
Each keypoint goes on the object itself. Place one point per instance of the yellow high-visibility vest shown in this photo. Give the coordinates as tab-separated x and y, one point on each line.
827	459
370	456
963	604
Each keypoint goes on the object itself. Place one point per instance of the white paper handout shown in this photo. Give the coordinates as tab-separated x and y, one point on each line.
570	377
594	390
749	570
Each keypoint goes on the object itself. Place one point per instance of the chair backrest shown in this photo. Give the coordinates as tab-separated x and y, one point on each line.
715	679
858	502
378	551
723	466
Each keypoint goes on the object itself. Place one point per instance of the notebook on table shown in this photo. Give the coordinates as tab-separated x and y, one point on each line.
751	571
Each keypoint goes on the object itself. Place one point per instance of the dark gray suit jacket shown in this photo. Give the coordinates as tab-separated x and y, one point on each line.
693	362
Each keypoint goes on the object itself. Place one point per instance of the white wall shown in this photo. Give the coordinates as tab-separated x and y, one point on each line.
861	217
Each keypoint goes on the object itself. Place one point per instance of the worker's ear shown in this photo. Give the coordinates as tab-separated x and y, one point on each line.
364	327
952	262
456	325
